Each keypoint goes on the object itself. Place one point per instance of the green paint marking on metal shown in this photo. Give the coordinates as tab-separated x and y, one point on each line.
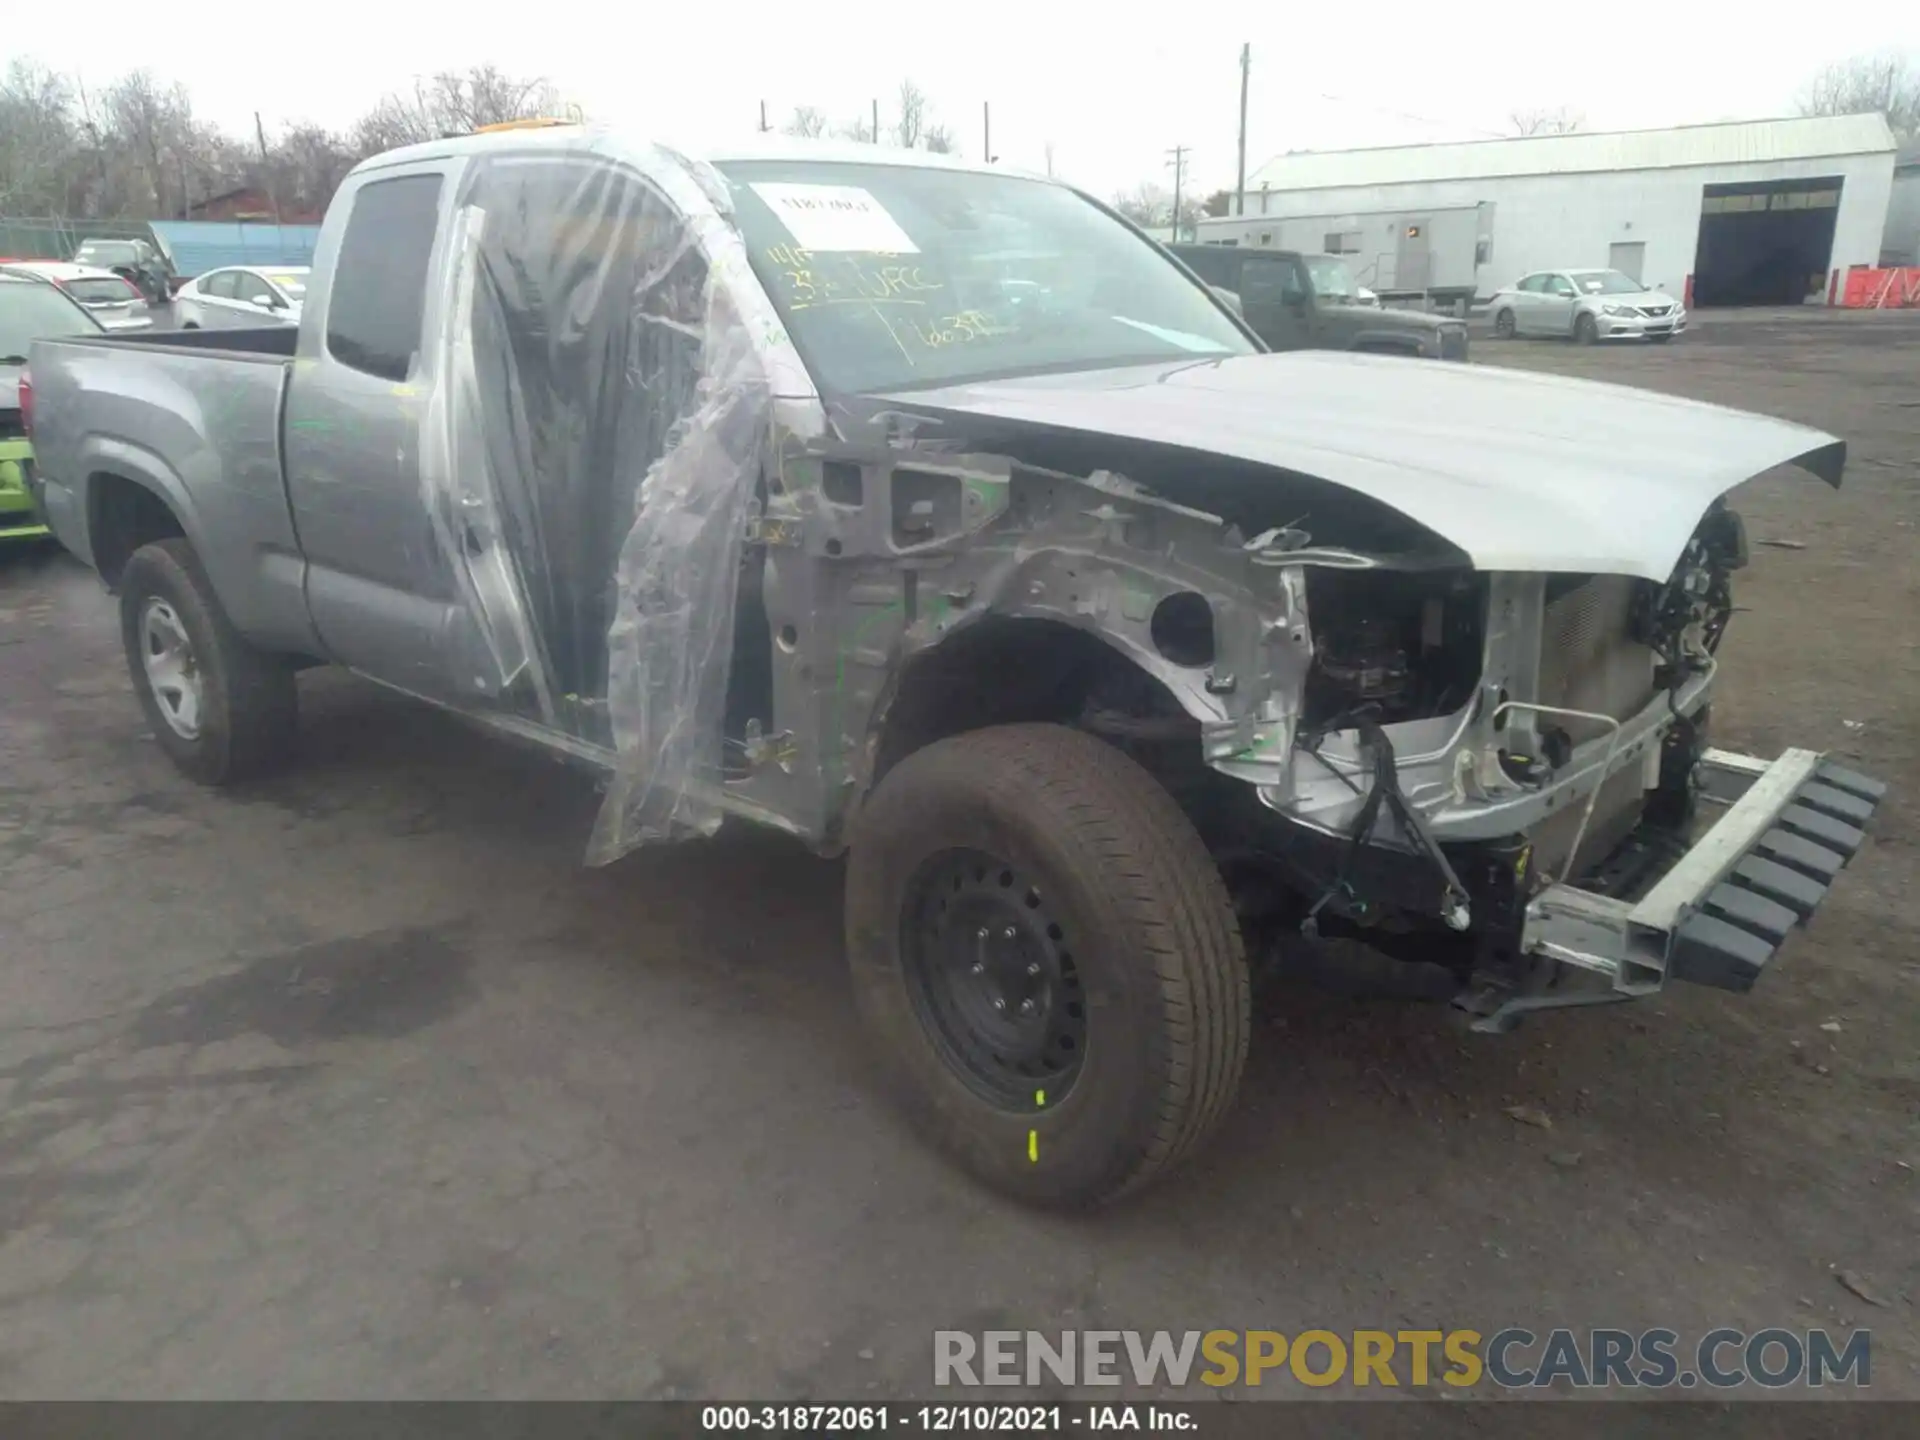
983	491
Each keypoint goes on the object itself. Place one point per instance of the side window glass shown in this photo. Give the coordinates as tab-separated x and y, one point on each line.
252	289
379	295
1561	286
220	285
1265	281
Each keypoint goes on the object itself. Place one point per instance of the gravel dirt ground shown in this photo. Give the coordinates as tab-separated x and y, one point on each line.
358	1084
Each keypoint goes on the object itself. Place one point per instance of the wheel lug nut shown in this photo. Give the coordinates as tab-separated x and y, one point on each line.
998	1003
1033	967
983	933
978	968
1008	933
1026	1007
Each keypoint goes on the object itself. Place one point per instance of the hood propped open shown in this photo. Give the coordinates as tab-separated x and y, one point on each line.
1519	471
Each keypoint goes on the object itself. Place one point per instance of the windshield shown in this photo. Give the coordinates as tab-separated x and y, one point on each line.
294	287
107	253
31	311
1332	280
893	276
1606	282
99	290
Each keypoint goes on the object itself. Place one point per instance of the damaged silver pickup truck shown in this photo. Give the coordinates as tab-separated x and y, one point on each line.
933	514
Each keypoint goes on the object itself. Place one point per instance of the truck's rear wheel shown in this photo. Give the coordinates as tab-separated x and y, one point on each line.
221	710
1049	961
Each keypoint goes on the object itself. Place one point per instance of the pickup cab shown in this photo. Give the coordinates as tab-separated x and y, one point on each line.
1313	302
931	513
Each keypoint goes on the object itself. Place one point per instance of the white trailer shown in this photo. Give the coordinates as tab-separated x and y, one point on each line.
1432	257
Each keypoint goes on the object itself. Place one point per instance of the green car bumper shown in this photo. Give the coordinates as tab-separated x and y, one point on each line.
20	517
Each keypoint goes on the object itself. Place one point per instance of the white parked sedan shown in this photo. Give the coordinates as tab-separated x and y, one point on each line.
116	303
241	295
1586	305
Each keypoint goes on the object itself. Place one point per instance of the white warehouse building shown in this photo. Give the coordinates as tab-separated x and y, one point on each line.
1757	212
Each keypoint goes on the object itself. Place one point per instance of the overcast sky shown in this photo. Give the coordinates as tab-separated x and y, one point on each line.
1111	87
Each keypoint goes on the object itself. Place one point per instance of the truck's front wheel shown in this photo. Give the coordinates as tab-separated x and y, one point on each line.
223	711
1049	960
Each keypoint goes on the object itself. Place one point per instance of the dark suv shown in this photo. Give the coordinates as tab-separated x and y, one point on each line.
1312	302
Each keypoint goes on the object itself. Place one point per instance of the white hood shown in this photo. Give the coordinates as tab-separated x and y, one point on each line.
1520	471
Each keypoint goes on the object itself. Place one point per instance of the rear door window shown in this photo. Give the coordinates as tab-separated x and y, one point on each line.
377	303
1268	281
220	284
1212	264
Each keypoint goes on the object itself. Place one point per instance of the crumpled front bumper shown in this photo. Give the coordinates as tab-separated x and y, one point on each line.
1721	914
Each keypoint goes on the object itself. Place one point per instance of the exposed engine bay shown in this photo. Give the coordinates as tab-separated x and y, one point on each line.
1400	645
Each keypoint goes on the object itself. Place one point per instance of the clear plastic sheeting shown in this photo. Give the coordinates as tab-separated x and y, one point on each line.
592	449
671	642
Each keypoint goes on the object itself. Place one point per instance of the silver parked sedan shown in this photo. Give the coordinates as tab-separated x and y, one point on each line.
1586	305
116	303
242	295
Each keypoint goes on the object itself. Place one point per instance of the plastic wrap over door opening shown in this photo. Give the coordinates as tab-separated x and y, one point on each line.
595	444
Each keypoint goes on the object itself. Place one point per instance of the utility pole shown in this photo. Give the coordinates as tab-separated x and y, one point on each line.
986	132
266	174
1240	182
1179	154
876	122
764	127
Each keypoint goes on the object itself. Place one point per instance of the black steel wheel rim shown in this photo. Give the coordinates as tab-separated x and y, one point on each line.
991	974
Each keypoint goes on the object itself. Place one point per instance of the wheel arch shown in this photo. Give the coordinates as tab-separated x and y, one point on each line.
1002	670
130	504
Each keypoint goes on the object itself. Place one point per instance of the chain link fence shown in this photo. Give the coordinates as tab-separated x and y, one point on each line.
46	238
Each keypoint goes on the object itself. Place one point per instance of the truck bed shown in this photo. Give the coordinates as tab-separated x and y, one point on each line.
155	412
254	342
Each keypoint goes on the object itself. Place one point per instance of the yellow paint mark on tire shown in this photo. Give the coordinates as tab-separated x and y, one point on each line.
1033	1146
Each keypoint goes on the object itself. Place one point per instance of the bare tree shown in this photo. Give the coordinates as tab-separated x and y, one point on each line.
39	139
1147	205
306	167
859	128
912	128
1150	206
1864	84
1546	122
452	103
912	122
135	149
809	122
